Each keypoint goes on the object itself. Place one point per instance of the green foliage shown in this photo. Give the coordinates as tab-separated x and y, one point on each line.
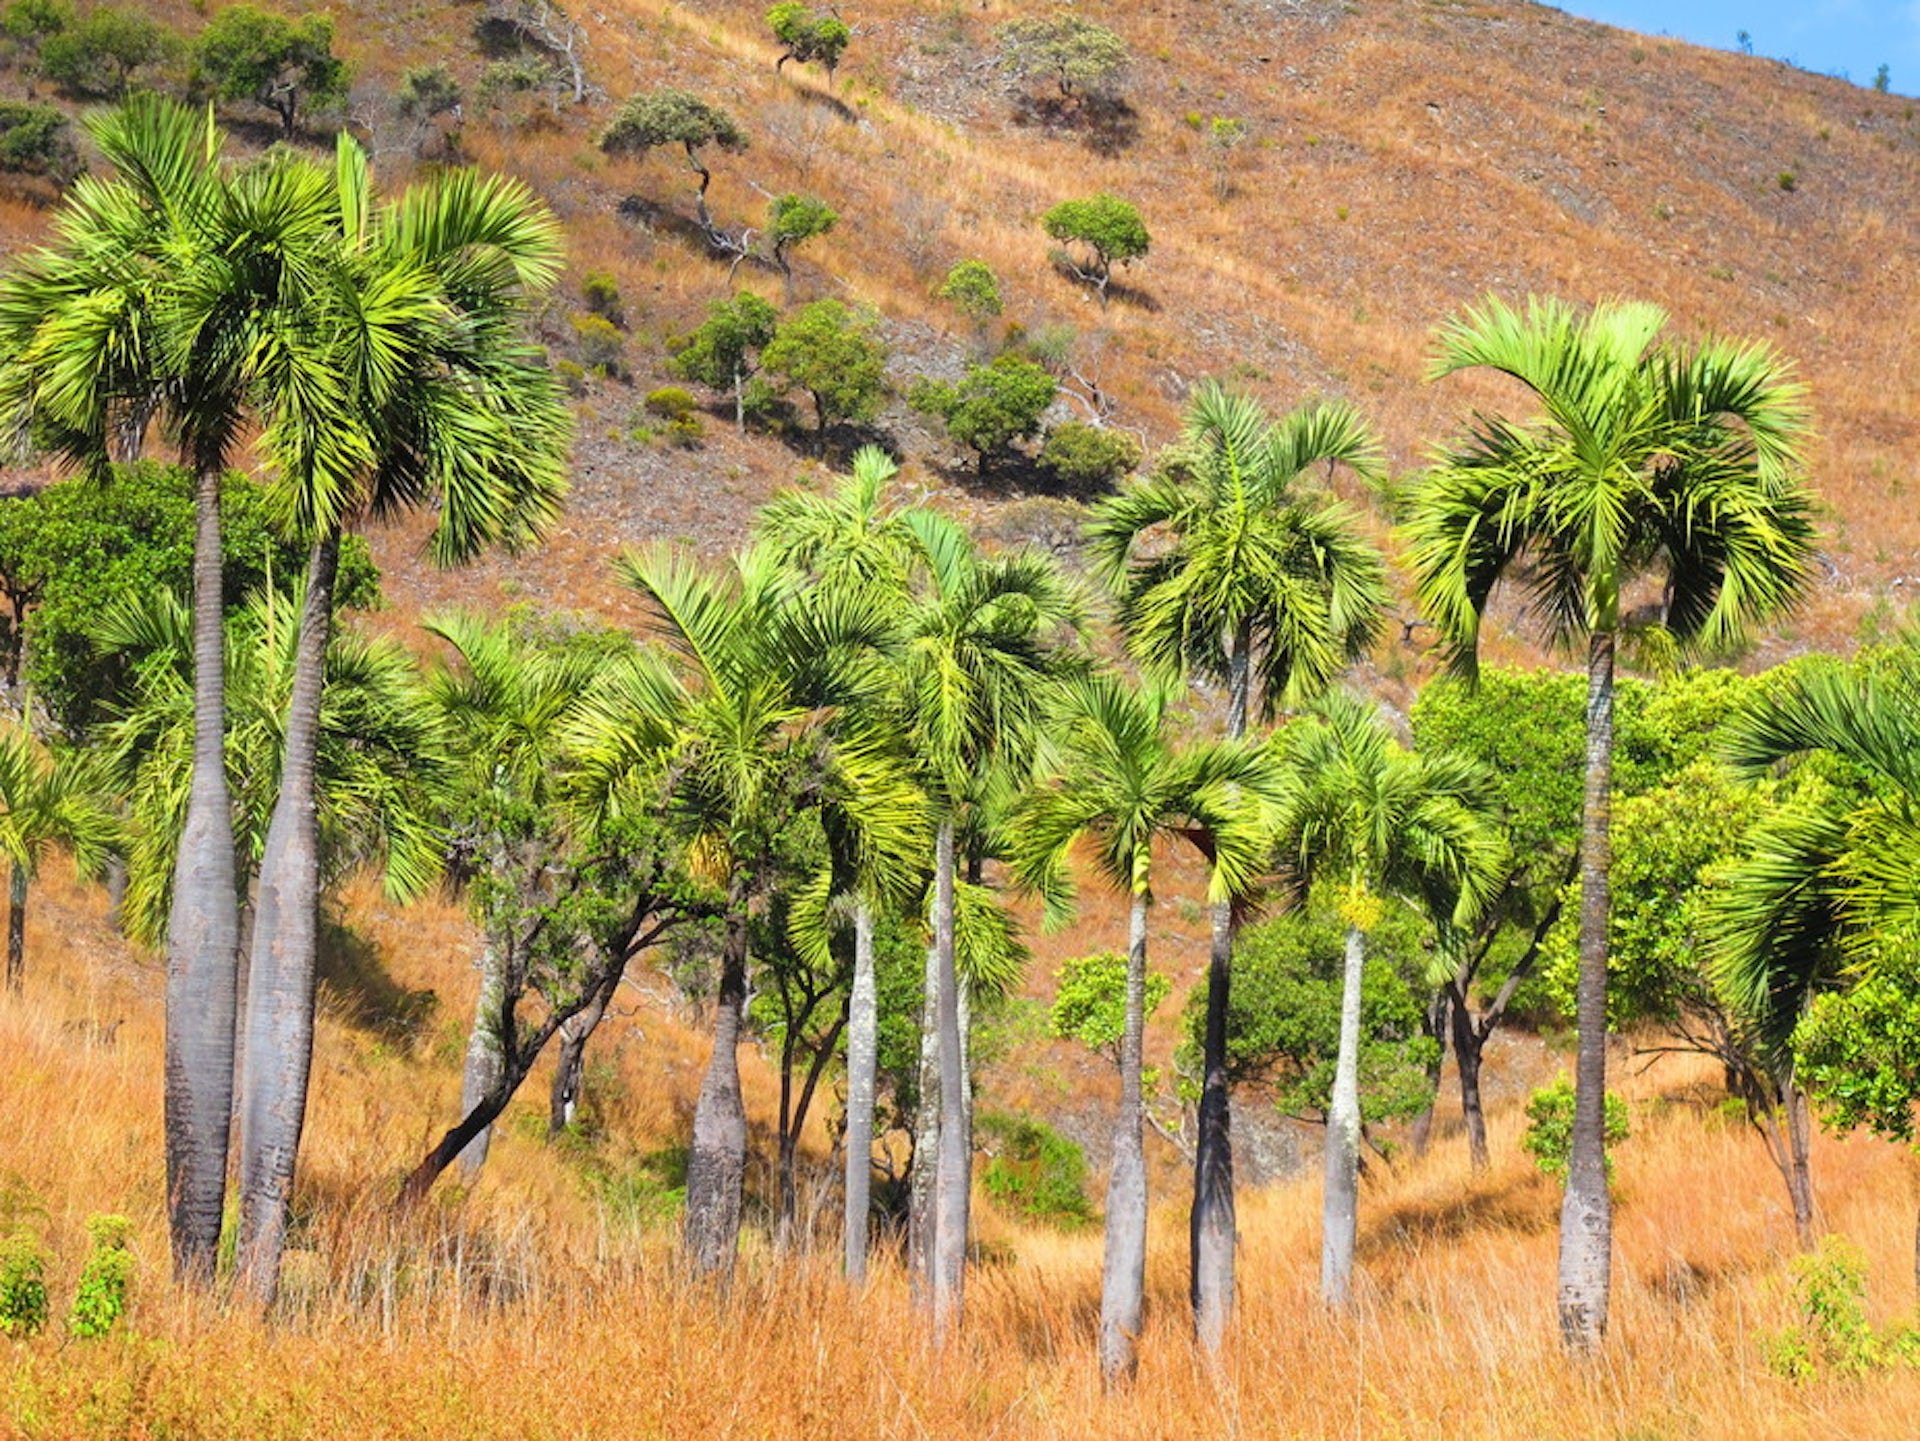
29	24
600	345
1110	229
792	220
973	289
1883	78
601	292
835	355
98	56
723	351
1857	1051
286	66
671	117
1083	458
100	1298
807	37
991	406
647	1194
37	140
1830	1334
1549	1137
428	90
1090	1004
1033	1171
1283	1022
669	402
1076	54
23	1287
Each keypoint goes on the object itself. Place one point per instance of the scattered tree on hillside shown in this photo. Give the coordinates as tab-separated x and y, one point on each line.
972	288
1086	459
27	25
807	37
832	353
676	117
1650	460
792	220
991	406
98	56
1079	56
723	352
287	66
1108	229
549	27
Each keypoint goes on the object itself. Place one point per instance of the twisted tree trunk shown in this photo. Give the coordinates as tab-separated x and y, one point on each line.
1586	1214
203	935
570	1066
1468	1044
281	975
863	1063
1123	1278
717	1163
1340	1200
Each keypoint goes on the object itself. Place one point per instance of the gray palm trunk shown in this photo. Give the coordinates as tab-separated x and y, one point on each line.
717	1161
954	1177
486	1058
1586	1214
1123	1280
16	926
1340	1200
203	935
281	971
1212	1230
863	1050
926	1140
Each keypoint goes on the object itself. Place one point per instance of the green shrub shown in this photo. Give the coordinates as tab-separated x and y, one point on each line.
600	345
669	402
1549	1138
1035	1172
1090	1002
23	1289
100	1300
973	289
572	375
98	57
602	294
650	1192
1831	1331
36	140
1086	457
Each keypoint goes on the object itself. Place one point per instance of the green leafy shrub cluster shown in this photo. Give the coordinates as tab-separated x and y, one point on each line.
1830	1333
1035	1172
1549	1137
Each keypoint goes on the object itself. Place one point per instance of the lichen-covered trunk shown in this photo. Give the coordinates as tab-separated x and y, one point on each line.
1468	1045
1123	1279
717	1162
863	1052
203	935
1211	1229
1586	1213
16	926
281	974
1800	1163
1340	1199
486	1058
921	1218
570	1064
953	1181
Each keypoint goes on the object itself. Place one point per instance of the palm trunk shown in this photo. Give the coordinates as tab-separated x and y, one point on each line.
1800	1166
1468	1045
1123	1279
570	1066
863	1052
486	1059
16	926
203	935
1435	1024
1211	1235
953	1178
1586	1215
717	1163
281	972
1340	1204
921	1218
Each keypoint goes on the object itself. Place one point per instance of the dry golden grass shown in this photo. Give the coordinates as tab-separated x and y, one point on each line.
526	1310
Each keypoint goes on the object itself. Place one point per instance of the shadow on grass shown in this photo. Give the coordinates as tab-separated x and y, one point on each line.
356	987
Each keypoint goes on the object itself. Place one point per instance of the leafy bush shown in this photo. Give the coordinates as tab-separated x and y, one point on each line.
1084	457
807	37
428	90
98	56
1090	1005
283	65
1831	1331
1035	1172
28	24
991	406
100	1299
676	407
600	345
973	289
833	354
601	292
1549	1137
23	1289
36	140
1077	55
1110	230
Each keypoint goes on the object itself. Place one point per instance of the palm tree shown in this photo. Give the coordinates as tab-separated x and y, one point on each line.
437	400
1228	567
1112	777
48	801
744	714
99	343
982	646
1379	824
1674	469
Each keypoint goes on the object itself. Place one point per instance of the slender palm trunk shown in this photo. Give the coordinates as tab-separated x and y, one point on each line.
863	1050
203	935
1468	1045
1800	1163
486	1059
717	1163
1586	1214
1123	1279
281	974
1435	1024
16	926
954	1178
922	1220
1340	1199
1211	1235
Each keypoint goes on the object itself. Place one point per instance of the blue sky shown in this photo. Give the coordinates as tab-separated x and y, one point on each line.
1857	36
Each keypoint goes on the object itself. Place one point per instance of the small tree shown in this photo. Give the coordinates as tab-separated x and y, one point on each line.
832	353
1083	457
36	140
675	117
991	406
428	90
29	24
723	351
284	65
792	220
807	37
96	58
1077	55
1109	230
973	289
1090	1003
